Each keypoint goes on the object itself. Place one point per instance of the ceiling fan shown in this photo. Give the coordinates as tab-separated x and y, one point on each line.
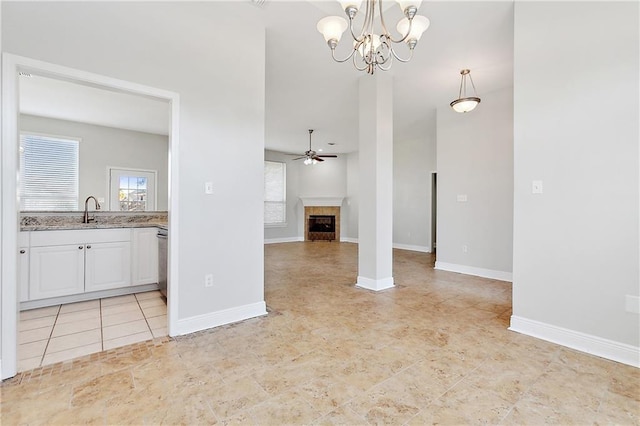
312	157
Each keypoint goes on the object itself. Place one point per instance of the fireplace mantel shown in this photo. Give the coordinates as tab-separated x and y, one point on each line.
322	201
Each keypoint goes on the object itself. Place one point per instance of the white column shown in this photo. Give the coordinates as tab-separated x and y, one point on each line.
375	227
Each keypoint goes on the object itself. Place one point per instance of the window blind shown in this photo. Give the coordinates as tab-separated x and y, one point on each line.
48	173
275	201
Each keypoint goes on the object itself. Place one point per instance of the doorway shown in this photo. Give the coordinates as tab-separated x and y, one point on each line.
434	210
13	66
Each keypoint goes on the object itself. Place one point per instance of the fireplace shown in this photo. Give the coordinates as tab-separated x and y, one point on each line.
321	227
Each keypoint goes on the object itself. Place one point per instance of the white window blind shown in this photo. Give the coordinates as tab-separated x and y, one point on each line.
48	173
275	190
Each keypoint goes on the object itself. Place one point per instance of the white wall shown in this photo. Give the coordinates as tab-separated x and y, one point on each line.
221	119
352	197
413	162
475	158
102	147
576	246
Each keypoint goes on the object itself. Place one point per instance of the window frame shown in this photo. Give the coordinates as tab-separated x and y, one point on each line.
283	202
26	133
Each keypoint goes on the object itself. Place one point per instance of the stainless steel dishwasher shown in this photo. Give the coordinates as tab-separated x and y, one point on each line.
162	260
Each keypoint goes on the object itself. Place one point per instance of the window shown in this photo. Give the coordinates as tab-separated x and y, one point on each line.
275	192
48	173
132	190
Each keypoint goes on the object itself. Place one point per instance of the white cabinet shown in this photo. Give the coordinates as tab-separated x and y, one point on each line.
23	266
71	262
107	265
56	271
144	265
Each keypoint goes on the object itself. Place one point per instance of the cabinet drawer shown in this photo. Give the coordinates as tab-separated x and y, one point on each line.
55	238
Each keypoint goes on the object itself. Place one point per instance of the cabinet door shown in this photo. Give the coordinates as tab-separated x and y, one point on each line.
108	265
56	271
145	256
23	273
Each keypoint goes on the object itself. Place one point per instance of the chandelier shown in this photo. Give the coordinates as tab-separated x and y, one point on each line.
371	50
465	103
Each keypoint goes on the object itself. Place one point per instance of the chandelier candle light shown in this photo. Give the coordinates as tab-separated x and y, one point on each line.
465	103
370	50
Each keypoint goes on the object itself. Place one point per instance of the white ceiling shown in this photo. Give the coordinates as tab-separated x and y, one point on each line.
306	89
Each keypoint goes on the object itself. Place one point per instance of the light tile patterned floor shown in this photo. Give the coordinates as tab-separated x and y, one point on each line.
63	332
433	350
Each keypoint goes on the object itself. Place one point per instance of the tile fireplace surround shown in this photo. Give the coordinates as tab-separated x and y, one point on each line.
321	211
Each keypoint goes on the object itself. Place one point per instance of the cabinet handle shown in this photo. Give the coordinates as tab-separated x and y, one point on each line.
22	252
88	247
80	247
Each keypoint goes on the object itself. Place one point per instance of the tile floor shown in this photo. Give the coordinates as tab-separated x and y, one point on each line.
63	332
433	350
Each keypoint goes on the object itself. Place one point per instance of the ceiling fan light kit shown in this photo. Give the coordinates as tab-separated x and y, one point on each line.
311	157
370	50
465	103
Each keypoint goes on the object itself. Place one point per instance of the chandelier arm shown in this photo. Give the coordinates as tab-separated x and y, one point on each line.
333	55
386	32
356	38
393	52
356	65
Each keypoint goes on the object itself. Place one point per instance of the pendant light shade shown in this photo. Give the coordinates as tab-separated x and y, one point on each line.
465	103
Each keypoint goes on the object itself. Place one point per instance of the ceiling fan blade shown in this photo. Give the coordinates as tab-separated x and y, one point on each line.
317	158
328	156
299	158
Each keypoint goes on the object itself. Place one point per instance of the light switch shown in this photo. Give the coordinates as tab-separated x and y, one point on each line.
536	187
101	199
462	198
208	187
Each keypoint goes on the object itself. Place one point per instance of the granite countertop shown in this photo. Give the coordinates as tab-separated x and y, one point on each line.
92	225
52	221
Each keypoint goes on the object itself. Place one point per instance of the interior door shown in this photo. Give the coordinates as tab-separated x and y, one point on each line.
132	190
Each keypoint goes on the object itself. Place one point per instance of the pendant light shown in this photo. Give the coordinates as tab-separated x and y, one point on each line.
465	103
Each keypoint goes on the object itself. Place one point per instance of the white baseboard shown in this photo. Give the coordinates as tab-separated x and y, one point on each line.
588	343
375	285
472	270
411	247
216	319
348	240
283	240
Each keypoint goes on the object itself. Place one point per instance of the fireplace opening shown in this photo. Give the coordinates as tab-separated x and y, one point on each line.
321	227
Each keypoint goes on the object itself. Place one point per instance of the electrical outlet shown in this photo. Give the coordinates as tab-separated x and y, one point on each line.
465	248
208	188
208	280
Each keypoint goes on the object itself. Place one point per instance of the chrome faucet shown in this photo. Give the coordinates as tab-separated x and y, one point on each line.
86	209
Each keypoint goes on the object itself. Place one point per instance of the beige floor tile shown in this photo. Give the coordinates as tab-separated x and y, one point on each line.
34	335
154	311
29	363
127	298
127	340
159	332
125	329
31	350
148	295
39	312
68	354
78	316
120	308
70	341
122	317
148	303
80	306
157	322
434	349
31	324
63	329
